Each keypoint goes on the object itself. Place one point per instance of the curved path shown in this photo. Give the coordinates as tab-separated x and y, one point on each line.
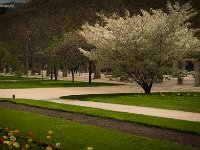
165	113
53	94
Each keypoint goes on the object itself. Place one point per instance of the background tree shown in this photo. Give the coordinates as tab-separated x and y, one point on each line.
69	53
51	18
143	46
52	57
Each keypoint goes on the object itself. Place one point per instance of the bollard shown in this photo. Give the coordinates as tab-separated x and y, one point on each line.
13	96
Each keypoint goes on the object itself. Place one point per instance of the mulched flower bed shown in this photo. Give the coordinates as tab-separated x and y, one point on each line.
175	136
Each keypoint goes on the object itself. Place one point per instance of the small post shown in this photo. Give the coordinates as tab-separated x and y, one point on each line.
13	96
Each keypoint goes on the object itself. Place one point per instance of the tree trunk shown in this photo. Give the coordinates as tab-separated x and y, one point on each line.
147	87
181	66
80	70
39	69
197	73
2	70
90	71
55	73
7	69
97	72
51	72
57	70
180	81
64	71
47	71
33	69
85	68
72	71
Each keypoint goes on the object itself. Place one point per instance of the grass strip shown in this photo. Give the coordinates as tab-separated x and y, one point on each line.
78	136
187	126
38	83
188	101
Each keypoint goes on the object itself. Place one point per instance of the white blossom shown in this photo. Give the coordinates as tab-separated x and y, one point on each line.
143	46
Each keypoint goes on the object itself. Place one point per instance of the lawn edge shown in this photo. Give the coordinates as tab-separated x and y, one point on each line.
109	117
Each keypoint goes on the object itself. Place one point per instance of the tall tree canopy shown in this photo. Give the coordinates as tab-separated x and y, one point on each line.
143	46
41	20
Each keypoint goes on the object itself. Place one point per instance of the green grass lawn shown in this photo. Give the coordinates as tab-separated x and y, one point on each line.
11	78
11	82
77	136
181	125
178	101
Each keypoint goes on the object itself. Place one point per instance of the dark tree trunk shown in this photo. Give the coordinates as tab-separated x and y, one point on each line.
85	68
181	66
55	73
42	71
2	70
197	73
39	69
147	87
51	72
90	71
180	81
72	71
33	69
7	69
47	72
57	70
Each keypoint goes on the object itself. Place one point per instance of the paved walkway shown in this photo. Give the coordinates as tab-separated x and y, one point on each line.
135	109
53	94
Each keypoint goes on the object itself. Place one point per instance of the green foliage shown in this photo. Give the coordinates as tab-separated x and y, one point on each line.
50	53
17	67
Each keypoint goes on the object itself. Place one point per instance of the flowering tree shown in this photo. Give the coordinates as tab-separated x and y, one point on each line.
143	46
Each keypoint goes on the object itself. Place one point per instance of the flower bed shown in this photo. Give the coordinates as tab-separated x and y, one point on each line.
12	139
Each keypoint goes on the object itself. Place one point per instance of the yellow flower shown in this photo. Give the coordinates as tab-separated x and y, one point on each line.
12	138
10	134
49	148
48	137
50	132
17	131
15	144
58	144
6	142
30	140
89	148
5	137
27	146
